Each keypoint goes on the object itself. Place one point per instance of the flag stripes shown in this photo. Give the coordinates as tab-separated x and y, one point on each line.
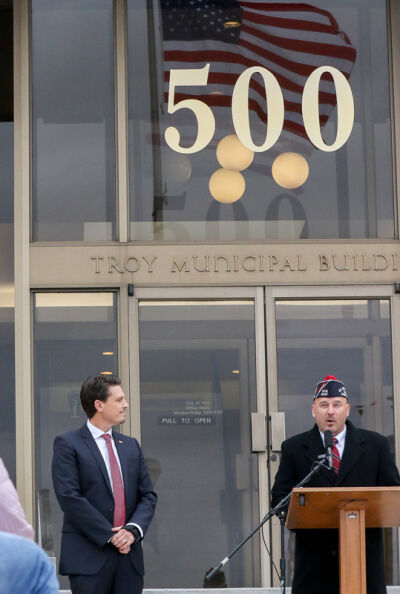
291	40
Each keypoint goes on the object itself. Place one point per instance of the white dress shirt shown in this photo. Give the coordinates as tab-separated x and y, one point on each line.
341	438
102	445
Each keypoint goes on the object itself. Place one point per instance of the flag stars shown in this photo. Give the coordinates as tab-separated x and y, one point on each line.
195	20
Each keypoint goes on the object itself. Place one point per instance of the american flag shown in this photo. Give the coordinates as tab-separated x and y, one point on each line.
289	39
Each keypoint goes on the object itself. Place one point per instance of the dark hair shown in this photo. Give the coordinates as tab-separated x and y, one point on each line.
96	388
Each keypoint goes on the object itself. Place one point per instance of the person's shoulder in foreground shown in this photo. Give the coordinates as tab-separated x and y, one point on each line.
12	516
24	567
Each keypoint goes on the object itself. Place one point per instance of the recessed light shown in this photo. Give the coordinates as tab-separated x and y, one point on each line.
235	371
107	353
231	24
106	373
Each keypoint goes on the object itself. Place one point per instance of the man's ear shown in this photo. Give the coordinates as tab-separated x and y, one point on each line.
98	404
312	410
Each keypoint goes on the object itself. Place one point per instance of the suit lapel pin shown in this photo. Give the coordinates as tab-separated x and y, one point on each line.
119	441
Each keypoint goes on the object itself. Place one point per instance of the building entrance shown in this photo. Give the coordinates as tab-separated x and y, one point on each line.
202	366
347	334
198	388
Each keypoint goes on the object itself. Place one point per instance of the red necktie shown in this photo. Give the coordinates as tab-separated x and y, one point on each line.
118	487
335	456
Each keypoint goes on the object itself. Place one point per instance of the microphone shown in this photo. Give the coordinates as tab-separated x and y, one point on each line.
328	439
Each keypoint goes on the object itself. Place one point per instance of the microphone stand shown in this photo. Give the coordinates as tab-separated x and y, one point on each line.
280	508
282	562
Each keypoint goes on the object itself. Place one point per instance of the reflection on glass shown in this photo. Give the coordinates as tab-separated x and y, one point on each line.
347	193
7	363
73	120
70	332
197	378
350	339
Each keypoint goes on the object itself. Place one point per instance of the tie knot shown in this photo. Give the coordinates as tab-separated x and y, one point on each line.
335	441
107	437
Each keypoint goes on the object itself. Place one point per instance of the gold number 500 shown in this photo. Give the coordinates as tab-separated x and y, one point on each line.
275	105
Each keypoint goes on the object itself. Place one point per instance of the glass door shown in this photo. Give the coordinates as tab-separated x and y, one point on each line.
199	377
75	334
346	333
199	381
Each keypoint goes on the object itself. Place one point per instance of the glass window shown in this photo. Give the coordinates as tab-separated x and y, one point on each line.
197	380
293	190
73	134
7	361
350	339
7	345
74	336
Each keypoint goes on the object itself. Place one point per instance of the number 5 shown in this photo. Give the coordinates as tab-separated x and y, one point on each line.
205	119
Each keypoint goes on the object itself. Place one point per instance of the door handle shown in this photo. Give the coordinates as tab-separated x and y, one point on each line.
278	433
258	432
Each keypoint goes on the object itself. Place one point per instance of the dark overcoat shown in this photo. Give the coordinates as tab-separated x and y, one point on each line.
366	462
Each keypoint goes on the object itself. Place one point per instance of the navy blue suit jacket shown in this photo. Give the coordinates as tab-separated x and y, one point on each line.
83	490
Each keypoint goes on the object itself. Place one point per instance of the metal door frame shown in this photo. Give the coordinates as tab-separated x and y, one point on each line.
208	293
274	294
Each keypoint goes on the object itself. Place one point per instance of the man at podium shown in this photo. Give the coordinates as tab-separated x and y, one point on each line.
360	458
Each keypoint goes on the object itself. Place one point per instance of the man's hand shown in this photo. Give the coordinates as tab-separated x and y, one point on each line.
122	539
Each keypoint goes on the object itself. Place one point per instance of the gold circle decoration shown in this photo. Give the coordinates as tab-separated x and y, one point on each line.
290	170
227	186
232	154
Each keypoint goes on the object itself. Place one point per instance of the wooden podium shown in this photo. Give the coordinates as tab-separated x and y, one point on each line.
351	510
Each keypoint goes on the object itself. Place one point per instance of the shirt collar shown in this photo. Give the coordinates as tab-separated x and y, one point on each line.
95	431
340	437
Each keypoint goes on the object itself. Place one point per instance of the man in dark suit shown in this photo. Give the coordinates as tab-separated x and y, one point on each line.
103	487
360	458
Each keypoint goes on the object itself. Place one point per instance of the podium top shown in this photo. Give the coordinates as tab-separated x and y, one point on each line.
319	507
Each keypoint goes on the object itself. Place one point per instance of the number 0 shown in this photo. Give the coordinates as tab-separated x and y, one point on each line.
240	108
345	109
